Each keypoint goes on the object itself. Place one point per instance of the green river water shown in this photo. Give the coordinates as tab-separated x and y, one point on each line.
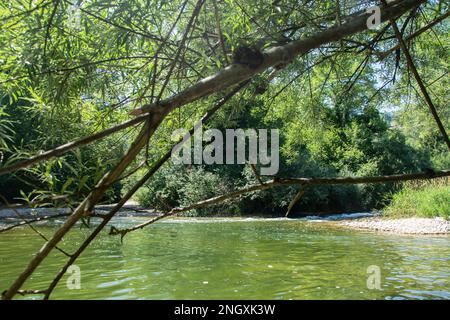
186	258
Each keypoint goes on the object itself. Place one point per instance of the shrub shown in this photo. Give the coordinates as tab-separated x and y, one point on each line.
421	201
176	185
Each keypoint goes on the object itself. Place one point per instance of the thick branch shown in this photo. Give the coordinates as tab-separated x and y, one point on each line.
58	151
132	191
275	56
229	76
83	207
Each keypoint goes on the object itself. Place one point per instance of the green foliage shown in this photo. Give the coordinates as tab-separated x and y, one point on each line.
6	133
67	71
425	201
32	129
177	185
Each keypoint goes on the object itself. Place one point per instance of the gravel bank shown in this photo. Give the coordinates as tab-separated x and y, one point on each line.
402	226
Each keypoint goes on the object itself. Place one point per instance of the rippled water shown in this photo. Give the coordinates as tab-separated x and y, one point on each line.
238	259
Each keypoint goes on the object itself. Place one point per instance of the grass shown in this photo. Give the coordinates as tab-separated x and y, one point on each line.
423	199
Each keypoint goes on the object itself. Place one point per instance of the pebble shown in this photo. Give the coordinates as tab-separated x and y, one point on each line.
404	225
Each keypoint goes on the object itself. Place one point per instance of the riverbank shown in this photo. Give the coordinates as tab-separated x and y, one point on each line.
128	210
400	226
356	221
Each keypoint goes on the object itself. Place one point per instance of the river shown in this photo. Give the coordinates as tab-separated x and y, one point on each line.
232	258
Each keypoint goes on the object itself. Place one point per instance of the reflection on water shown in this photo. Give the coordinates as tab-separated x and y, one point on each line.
237	259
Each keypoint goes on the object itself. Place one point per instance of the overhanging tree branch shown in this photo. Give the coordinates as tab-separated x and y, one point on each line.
274	56
157	112
303	182
132	191
229	76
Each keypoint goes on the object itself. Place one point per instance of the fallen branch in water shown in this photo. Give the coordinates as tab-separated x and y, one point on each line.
25	222
296	199
286	182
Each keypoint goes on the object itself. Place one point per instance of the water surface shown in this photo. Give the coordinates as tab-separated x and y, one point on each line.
237	259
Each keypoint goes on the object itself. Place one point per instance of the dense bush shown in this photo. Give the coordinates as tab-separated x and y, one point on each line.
432	200
363	146
26	128
177	185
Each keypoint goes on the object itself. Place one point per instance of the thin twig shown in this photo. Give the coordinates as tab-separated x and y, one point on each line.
136	186
25	221
419	81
